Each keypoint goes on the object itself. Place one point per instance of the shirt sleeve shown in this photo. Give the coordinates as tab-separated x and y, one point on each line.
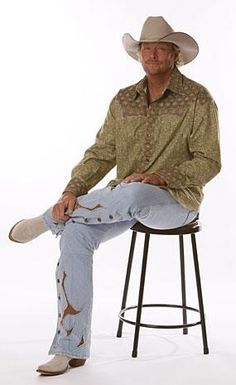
204	149
98	159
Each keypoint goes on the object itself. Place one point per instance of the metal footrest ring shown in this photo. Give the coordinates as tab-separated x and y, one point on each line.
122	317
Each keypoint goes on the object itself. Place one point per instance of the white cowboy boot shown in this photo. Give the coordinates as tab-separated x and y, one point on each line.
28	229
59	365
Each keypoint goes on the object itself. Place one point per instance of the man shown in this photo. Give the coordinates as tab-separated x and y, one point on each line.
162	135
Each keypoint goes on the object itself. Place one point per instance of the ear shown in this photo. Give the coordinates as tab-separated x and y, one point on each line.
139	56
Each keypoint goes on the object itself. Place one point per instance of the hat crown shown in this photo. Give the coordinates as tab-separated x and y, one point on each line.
155	28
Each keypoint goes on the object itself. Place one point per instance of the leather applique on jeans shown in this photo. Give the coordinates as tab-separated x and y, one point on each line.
81	342
69	310
79	206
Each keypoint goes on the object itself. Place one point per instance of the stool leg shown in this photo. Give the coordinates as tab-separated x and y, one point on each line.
183	284
127	279
199	290
140	298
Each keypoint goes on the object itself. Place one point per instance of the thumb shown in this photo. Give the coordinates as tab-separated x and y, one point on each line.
146	179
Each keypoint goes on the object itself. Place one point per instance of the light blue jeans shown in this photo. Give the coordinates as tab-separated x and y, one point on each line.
100	216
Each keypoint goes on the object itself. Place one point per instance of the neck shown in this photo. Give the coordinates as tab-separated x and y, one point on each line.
157	85
159	81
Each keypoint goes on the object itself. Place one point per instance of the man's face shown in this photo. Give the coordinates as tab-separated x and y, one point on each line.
157	58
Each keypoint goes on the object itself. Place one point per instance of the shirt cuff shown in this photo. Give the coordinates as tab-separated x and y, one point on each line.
76	187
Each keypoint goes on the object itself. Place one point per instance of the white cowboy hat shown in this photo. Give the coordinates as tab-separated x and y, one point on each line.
156	29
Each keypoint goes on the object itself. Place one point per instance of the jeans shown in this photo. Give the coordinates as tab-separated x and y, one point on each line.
100	215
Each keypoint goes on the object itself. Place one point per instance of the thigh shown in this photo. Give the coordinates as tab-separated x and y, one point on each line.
155	207
167	216
88	237
112	230
106	231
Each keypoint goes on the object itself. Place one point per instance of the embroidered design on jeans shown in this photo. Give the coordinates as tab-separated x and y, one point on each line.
81	342
69	310
79	206
68	332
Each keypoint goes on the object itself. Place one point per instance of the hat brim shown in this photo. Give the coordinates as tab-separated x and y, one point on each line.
187	45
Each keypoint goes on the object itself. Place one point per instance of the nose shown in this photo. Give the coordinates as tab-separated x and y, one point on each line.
154	53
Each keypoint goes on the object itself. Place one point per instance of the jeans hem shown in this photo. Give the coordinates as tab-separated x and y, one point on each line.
70	355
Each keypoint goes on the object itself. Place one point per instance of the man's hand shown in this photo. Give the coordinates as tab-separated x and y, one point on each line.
62	210
154	179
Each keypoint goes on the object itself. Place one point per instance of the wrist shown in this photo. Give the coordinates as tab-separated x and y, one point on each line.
68	193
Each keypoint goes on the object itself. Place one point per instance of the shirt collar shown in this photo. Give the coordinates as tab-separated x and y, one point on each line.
175	84
141	87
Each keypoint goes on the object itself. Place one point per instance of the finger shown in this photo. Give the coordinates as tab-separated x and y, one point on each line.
130	177
55	213
59	212
127	179
137	179
71	206
147	180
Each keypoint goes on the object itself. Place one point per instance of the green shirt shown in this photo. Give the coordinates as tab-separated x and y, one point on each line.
175	136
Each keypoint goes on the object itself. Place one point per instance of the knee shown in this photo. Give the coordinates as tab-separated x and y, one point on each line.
79	236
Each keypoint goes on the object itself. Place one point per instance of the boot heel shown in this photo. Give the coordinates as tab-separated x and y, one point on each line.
76	362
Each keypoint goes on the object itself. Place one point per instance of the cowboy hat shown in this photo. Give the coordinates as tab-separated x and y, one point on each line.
156	29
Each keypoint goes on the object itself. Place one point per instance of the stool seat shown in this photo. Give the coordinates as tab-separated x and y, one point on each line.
190	228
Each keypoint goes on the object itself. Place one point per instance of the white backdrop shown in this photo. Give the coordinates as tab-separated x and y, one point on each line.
61	63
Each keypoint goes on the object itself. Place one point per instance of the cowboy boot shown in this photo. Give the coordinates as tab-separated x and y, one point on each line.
28	229
59	365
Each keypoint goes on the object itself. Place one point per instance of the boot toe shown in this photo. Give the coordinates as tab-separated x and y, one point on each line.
13	234
48	372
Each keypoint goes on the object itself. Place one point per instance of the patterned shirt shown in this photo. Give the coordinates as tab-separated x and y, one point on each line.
175	136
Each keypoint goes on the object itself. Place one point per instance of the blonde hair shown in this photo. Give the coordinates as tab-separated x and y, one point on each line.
178	56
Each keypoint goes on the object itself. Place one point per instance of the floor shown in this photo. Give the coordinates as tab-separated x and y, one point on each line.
164	358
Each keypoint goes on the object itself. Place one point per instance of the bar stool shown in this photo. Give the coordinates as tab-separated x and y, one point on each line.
190	229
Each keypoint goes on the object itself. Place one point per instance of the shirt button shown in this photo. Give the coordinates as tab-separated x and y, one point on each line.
99	219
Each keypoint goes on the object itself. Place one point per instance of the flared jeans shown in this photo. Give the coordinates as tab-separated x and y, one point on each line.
100	215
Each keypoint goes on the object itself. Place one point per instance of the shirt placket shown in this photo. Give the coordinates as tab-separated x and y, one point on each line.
148	140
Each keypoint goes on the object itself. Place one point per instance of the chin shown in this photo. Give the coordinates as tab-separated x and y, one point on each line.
153	73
